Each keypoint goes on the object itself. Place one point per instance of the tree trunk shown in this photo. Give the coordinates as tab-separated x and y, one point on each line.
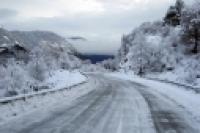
196	35
141	72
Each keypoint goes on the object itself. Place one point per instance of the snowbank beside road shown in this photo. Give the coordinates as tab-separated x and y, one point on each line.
62	78
61	83
187	99
180	76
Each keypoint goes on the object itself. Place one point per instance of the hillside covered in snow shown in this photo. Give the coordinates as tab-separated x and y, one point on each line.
28	59
166	49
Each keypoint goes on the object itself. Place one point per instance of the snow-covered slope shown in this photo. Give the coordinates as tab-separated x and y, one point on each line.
31	39
62	78
62	83
27	57
165	48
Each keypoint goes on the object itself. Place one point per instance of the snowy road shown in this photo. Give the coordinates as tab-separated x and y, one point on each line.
113	106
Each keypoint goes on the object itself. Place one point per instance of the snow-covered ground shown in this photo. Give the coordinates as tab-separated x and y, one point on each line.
172	78
186	99
187	73
108	104
61	83
62	78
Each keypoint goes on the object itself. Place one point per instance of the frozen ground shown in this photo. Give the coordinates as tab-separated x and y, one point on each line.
62	78
114	103
178	77
61	83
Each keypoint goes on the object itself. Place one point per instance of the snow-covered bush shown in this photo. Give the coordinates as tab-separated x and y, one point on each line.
110	64
15	79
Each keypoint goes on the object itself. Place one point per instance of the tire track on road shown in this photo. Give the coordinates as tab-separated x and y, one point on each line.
166	119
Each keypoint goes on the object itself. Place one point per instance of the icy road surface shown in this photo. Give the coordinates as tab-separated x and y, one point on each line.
112	106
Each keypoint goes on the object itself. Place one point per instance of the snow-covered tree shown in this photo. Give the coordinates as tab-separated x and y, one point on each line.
195	33
15	79
162	47
179	6
190	22
109	64
173	16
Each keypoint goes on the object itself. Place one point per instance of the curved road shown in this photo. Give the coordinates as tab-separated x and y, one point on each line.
113	106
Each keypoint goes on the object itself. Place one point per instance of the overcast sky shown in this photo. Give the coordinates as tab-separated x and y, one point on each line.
102	22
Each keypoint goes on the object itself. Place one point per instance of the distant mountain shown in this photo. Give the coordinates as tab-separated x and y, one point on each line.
94	58
31	40
77	38
6	37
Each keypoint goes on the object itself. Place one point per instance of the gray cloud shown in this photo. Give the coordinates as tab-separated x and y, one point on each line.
103	30
6	13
